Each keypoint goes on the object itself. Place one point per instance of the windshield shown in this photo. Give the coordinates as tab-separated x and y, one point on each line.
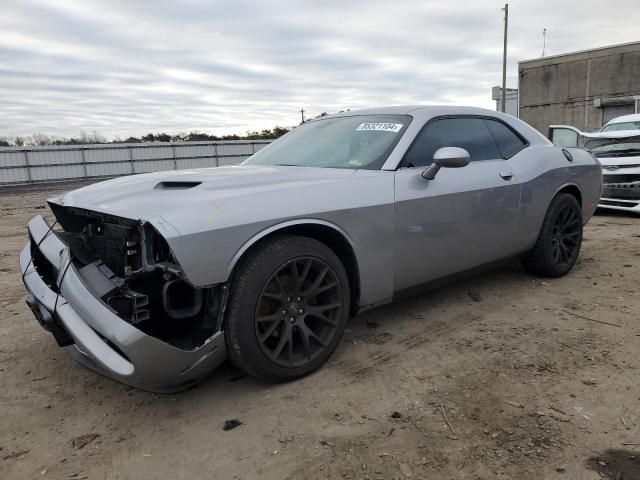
614	147
360	141
619	127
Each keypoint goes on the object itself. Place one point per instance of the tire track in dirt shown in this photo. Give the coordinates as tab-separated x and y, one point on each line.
355	369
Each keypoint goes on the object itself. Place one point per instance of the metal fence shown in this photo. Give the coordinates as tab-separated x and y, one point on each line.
59	163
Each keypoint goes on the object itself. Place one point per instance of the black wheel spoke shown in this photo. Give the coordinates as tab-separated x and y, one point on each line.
278	282
274	296
296	324
325	287
294	273
281	344
290	352
324	308
306	345
309	334
269	318
316	283
271	330
304	274
564	253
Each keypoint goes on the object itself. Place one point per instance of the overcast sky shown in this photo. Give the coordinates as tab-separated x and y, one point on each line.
126	67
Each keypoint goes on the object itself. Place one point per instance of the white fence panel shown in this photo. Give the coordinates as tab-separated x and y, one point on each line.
227	149
48	157
189	151
56	163
108	169
62	172
150	153
259	146
146	166
14	175
98	155
196	163
11	159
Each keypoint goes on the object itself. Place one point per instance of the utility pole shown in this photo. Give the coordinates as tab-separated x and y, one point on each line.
544	41
302	114
504	59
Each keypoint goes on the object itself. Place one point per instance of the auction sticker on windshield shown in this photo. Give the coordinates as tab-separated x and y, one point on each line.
381	127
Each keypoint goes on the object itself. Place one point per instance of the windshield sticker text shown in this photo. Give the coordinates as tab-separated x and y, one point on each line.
381	127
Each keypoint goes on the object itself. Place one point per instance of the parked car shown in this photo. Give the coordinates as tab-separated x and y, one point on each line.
617	146
623	123
155	279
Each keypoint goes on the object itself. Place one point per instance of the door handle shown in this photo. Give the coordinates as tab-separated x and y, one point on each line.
506	175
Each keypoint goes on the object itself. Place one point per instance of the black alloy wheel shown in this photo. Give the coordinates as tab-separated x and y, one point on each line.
566	236
298	311
560	238
288	307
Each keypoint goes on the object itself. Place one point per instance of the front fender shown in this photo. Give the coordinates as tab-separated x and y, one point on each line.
281	226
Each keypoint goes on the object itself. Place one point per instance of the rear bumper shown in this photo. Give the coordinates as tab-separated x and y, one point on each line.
96	336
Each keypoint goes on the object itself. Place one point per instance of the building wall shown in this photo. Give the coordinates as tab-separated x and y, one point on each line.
511	100
574	88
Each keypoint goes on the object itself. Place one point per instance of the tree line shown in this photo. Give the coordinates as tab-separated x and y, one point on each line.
95	137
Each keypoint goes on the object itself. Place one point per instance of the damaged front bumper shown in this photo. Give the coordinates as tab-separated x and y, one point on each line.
95	335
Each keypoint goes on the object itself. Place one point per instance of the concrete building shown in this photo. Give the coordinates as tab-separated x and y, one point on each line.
511	100
583	89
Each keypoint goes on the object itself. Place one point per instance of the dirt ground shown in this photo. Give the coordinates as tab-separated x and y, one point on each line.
503	376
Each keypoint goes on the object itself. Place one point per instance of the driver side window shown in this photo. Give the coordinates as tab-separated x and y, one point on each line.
471	134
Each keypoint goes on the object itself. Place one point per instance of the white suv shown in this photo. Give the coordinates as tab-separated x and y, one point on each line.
617	146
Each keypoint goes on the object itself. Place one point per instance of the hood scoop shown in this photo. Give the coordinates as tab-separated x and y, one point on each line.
177	185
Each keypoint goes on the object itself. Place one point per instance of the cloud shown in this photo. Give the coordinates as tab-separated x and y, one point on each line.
131	67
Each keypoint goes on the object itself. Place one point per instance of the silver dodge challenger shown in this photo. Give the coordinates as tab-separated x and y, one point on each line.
155	279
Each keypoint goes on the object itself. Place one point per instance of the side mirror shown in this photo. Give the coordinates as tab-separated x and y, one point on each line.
446	157
565	135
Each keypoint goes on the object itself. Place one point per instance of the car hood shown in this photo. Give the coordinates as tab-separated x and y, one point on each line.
148	196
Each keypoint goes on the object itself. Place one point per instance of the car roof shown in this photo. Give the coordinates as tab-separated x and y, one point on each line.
427	110
423	113
634	117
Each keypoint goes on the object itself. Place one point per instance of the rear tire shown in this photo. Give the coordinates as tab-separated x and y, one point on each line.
287	310
559	241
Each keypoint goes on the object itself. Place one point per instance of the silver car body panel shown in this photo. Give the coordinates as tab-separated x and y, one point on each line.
403	229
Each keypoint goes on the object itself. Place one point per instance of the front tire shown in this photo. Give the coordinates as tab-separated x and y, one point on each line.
287	310
560	239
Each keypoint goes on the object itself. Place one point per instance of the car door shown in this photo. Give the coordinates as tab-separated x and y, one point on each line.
464	217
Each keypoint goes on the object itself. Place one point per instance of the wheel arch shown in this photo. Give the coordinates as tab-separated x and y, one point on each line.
325	232
571	189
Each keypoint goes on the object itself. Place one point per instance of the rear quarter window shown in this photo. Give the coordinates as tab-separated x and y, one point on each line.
508	141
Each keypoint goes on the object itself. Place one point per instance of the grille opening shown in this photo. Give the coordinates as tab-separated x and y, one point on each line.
621	193
613	203
620	178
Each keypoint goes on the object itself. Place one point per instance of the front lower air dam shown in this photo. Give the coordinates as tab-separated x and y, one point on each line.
91	330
